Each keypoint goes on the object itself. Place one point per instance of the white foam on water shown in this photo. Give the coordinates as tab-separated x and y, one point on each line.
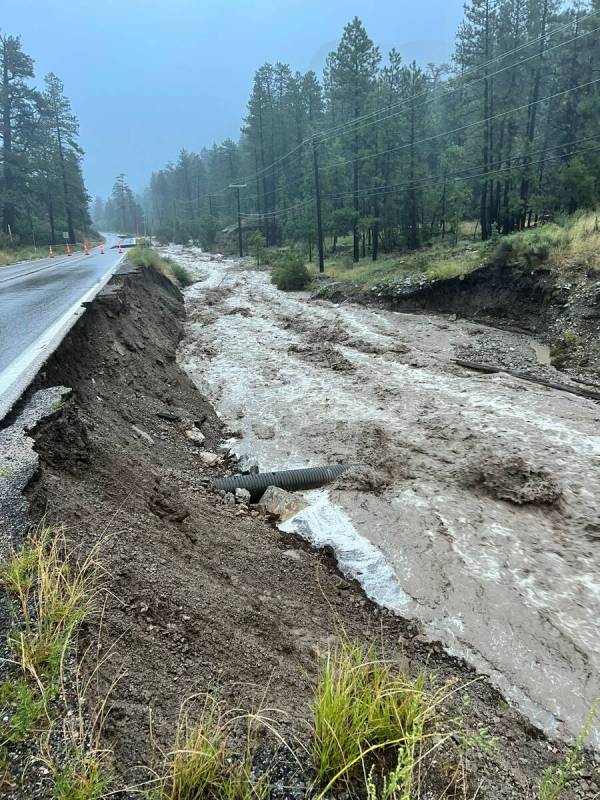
324	523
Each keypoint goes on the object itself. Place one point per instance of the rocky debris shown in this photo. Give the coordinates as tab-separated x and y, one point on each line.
210	459
142	434
166	503
248	465
169	416
323	354
195	436
18	463
281	504
264	431
242	496
511	478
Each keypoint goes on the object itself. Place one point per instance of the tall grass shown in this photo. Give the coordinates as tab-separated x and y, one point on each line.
54	595
570	241
147	257
364	707
52	591
203	766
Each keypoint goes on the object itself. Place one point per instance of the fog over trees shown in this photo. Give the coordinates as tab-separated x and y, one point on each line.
507	133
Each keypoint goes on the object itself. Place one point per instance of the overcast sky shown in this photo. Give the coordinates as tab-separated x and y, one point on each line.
148	77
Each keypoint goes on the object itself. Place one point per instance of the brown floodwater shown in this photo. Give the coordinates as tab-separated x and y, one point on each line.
478	512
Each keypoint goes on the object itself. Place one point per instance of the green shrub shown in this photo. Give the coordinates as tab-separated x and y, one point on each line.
289	272
183	276
533	247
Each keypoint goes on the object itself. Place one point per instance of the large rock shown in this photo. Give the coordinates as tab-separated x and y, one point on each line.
195	436
280	503
210	459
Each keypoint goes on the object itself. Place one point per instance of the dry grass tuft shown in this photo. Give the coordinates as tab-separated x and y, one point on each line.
202	766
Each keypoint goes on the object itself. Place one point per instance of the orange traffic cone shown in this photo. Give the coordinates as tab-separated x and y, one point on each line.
50	253
86	252
69	251
120	248
101	248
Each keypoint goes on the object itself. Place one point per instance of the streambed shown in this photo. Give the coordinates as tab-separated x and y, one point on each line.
479	510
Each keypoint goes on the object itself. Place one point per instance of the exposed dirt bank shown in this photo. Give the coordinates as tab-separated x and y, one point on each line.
203	594
547	303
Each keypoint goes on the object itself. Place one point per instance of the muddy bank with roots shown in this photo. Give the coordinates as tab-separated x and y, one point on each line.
561	308
204	595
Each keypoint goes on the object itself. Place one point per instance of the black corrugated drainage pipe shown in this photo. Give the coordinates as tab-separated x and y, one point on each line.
291	479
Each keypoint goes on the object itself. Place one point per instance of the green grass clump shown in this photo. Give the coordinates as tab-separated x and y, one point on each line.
21	709
533	247
439	262
569	241
289	272
53	596
83	777
142	256
556	779
443	268
364	707
200	766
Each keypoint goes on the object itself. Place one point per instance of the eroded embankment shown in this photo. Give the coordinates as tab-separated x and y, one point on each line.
549	303
203	595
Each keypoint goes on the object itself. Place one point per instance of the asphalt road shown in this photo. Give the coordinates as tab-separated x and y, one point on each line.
39	302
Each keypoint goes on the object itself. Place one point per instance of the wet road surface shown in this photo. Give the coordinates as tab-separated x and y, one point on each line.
479	513
34	297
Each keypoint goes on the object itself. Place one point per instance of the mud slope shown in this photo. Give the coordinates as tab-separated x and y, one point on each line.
204	595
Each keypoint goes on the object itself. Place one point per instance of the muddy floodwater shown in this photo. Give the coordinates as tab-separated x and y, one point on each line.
478	510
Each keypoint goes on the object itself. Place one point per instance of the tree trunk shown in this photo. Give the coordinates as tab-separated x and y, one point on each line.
8	208
532	118
63	171
483	202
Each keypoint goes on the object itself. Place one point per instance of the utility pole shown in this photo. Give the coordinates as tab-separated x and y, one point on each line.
318	198
237	187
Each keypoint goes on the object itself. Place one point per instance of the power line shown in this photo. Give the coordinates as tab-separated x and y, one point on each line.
334	131
461	128
459	177
432	137
447	177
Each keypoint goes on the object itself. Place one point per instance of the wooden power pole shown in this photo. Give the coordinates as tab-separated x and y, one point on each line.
237	187
318	199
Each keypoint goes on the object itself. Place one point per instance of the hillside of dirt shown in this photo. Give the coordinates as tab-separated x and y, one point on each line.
203	594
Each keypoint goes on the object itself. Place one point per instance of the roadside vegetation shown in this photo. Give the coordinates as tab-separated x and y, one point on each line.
375	732
44	713
12	255
570	243
144	256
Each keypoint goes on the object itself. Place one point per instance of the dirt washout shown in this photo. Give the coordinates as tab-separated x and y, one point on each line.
479	511
541	300
202	594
